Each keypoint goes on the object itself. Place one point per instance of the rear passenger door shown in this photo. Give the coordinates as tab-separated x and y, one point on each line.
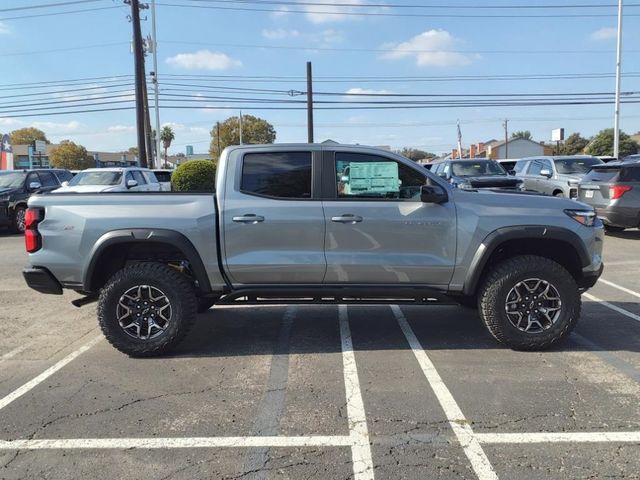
273	222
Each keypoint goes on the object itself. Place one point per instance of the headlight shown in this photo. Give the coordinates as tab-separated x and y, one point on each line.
4	198
587	218
465	186
573	183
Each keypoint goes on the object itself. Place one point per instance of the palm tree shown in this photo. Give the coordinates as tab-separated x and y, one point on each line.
166	136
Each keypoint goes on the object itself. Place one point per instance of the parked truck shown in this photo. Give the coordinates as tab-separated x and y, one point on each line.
307	223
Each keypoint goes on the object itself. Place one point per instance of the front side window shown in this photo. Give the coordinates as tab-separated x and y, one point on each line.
277	175
137	176
48	179
370	176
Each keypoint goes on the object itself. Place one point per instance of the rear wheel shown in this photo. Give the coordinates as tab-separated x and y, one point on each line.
146	309
529	302
19	214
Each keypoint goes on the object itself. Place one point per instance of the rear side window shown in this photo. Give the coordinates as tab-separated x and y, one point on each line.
163	176
519	166
277	175
630	174
63	175
150	177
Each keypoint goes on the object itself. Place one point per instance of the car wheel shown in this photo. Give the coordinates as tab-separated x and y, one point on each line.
19	214
612	229
529	302
146	309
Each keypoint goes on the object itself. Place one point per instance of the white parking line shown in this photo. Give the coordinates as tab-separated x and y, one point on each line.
613	307
47	373
359	433
169	443
559	437
468	440
619	287
12	353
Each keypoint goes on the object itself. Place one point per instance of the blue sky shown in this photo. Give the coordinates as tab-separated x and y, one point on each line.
200	41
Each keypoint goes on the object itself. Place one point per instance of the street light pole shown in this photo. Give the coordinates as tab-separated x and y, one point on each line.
138	56
154	39
616	118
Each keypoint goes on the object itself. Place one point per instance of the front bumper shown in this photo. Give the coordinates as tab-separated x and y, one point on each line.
590	277
42	280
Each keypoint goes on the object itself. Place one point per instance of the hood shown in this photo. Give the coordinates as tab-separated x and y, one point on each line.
5	190
87	189
490	181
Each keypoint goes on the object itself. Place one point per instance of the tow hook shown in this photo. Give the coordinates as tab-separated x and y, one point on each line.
86	300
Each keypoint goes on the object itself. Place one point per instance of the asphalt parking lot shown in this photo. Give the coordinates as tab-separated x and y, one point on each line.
321	392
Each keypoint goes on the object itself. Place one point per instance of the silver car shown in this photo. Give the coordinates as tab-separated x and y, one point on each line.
557	176
99	180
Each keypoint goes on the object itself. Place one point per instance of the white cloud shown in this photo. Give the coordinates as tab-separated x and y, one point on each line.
279	34
366	91
335	12
121	128
54	128
606	33
203	60
433	47
4	29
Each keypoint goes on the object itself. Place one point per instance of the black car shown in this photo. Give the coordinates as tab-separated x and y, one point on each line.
16	186
472	174
613	189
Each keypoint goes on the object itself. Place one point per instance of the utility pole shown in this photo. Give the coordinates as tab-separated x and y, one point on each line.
138	55
218	136
240	127
616	118
506	138
148	134
309	104
154	79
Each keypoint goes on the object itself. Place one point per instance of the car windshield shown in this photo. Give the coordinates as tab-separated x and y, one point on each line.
96	178
12	179
567	166
468	168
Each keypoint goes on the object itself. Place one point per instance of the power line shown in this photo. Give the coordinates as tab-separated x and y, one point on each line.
68	49
48	5
52	14
389	14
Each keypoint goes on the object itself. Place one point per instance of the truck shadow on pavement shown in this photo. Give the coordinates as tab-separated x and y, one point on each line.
626	234
225	331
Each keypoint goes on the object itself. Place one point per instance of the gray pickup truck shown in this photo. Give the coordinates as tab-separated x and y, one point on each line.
310	223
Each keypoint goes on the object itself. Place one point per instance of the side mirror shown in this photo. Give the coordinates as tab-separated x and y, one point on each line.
33	186
131	183
433	194
545	172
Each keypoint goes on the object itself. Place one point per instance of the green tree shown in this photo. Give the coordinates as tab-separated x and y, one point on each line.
602	144
526	134
254	130
574	144
27	135
194	176
132	151
416	154
70	156
166	137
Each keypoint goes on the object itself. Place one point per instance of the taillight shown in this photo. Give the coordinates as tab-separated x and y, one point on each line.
617	191
32	239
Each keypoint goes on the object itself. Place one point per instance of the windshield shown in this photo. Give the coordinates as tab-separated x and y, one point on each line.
476	169
12	179
568	166
96	178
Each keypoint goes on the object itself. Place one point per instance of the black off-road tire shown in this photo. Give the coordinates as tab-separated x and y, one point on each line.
179	292
503	277
18	225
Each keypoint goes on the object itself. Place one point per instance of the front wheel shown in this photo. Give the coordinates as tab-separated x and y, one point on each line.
146	309
529	302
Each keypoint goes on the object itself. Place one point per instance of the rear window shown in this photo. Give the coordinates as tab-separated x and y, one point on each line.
277	175
630	174
163	176
608	174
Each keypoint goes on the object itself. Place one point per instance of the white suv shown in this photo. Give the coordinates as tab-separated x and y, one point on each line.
97	180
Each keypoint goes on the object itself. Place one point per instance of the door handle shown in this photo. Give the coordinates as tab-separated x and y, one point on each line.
249	218
347	218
